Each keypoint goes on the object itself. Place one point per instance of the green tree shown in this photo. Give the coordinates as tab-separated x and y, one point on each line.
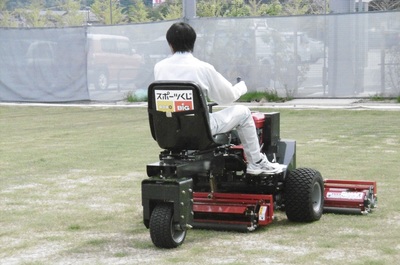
257	8
3	6
172	9
384	5
238	8
302	7
32	14
296	7
108	11
211	8
155	13
72	17
138	12
7	17
318	7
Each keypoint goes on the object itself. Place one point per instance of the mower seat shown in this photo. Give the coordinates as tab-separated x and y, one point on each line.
179	117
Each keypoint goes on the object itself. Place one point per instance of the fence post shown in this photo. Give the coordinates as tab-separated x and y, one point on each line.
189	9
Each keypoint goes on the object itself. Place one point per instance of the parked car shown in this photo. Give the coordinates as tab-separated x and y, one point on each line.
41	53
112	60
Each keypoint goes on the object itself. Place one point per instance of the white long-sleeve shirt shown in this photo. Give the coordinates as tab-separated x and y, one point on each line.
186	67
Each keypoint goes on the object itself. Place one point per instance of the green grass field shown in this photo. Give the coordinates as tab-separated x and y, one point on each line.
70	191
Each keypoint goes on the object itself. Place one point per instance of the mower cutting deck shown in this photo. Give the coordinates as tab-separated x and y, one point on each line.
348	196
242	212
200	180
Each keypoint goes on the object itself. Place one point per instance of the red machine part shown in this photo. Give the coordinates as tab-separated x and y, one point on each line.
259	119
236	211
349	196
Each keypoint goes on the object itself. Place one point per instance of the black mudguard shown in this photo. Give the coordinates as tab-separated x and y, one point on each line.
179	192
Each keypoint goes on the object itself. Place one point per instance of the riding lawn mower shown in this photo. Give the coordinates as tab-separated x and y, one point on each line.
200	180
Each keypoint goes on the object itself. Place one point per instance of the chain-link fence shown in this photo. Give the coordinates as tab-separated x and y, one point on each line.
338	55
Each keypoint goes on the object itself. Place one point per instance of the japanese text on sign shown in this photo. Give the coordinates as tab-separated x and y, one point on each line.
174	100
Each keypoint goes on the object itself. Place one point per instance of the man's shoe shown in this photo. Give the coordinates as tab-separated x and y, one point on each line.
265	167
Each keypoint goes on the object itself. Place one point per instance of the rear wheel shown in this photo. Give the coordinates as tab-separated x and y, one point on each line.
304	195
164	233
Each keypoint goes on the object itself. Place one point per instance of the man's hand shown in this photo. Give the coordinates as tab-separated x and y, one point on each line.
241	87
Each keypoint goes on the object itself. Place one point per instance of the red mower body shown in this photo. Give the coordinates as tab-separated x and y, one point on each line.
350	196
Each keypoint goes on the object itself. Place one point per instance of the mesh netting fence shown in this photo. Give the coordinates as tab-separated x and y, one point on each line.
320	56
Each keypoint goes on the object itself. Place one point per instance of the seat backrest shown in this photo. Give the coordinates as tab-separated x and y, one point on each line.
178	116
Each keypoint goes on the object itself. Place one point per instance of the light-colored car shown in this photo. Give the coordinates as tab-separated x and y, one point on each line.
112	60
41	53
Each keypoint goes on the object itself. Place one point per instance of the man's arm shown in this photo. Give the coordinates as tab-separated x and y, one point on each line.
222	91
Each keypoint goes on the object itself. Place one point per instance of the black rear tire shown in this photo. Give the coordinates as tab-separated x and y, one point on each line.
304	195
163	232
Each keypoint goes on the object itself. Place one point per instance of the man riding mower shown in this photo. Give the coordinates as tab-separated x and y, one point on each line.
201	180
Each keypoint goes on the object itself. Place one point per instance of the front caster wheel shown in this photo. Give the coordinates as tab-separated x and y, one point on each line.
163	232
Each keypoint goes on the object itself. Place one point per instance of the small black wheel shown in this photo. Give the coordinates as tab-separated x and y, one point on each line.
304	195
163	231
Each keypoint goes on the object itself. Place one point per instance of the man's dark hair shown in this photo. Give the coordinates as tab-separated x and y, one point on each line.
181	36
